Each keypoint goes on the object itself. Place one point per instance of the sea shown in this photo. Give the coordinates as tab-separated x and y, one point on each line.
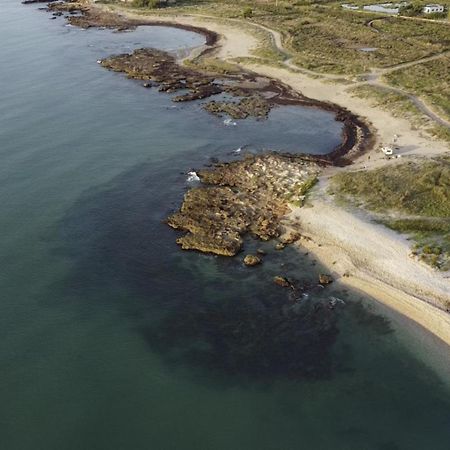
112	338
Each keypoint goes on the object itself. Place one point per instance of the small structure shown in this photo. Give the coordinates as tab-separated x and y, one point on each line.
386	8
387	150
433	9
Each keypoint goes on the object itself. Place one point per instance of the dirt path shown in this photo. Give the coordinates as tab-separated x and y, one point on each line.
420	104
413	63
373	78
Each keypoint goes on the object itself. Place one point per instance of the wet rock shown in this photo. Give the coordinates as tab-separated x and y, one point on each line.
254	106
29	2
199	93
155	66
70	7
291	238
281	281
280	246
325	279
252	260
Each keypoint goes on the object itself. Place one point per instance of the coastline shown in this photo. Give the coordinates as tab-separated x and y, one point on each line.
347	257
424	309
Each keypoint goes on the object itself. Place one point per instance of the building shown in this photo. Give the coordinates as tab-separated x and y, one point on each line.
432	9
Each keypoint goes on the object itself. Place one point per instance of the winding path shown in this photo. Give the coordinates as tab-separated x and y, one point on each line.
373	78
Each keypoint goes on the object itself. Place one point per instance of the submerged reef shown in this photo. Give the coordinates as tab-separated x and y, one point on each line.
243	340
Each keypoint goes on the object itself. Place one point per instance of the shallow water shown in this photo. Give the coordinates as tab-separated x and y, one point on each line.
112	338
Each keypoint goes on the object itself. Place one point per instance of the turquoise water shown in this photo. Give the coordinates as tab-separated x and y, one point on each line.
112	338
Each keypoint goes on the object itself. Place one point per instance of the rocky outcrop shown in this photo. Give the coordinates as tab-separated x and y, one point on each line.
253	106
247	196
69	6
325	279
281	281
252	260
161	68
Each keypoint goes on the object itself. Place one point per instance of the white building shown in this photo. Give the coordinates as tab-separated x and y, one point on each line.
433	8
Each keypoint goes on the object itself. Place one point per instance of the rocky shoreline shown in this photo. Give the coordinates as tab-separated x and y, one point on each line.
250	95
256	100
90	17
246	196
249	196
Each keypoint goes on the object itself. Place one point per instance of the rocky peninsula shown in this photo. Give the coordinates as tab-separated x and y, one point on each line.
247	196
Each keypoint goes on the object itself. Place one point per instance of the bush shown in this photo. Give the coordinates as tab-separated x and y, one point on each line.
247	13
146	3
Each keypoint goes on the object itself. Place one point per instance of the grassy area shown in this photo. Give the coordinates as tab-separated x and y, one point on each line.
324	37
213	66
429	80
401	106
411	198
329	39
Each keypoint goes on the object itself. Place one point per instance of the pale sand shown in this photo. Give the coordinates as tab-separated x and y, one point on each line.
369	257
377	259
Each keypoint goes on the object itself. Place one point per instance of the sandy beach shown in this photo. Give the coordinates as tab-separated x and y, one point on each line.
360	254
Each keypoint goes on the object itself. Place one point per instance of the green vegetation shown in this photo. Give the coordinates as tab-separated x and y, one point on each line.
401	106
334	40
146	3
213	66
308	185
411	198
429	80
324	37
247	13
411	9
301	190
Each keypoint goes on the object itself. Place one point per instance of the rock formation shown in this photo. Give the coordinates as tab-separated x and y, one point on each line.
247	196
